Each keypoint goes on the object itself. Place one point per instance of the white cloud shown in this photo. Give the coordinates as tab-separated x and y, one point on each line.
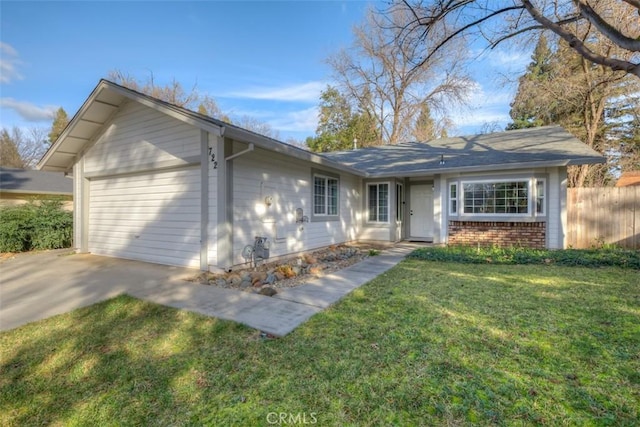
297	121
484	107
516	59
9	63
307	92
28	111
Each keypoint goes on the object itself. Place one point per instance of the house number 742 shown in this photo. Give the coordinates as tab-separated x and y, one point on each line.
212	155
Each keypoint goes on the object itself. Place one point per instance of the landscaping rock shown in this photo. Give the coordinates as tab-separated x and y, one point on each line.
316	271
289	272
234	279
258	275
268	291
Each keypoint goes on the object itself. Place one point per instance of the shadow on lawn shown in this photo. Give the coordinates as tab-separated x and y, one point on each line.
121	359
426	343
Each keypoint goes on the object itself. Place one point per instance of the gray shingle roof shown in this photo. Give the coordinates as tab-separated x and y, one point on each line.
535	147
34	182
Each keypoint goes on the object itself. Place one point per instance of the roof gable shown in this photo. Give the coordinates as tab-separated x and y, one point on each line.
628	179
106	100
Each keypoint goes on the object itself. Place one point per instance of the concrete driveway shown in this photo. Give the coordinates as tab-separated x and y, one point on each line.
38	285
35	286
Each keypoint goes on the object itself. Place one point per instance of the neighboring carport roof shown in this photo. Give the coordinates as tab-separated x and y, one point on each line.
26	181
534	147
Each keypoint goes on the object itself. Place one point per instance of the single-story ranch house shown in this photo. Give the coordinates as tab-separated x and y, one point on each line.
159	183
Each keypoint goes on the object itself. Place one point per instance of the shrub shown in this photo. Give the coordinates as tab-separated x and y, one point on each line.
625	258
52	226
36	225
16	227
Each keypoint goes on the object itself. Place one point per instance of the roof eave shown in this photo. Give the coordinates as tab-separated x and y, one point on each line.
480	168
282	148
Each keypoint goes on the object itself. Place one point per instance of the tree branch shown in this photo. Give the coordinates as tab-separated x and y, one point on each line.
605	28
579	46
634	3
463	29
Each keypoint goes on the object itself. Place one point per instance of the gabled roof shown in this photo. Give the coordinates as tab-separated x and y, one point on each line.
628	178
106	99
14	180
535	147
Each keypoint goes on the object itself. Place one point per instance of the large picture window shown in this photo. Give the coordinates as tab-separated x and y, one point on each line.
378	202
510	197
325	196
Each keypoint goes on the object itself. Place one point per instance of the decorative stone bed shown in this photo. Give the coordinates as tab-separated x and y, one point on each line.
289	272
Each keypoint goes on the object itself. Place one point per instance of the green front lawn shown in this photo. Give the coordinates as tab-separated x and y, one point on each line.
427	343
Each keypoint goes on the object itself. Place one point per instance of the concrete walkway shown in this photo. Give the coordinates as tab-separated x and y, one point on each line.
282	313
36	286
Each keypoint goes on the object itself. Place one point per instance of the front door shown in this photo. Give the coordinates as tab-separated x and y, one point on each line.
421	212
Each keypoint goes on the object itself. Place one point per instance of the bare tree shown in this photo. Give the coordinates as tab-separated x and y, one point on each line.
257	126
173	92
378	72
22	148
616	23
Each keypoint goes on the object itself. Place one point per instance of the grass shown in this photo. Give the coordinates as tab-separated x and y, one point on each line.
596	257
424	344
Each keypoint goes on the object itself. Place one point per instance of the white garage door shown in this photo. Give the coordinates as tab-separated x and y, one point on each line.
151	217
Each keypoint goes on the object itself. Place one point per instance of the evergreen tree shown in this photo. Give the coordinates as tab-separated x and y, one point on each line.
9	154
60	121
424	128
338	126
591	102
526	109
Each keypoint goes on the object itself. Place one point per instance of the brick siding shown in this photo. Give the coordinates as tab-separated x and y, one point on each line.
502	234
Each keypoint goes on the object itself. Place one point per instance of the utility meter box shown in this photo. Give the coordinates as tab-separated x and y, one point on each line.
261	248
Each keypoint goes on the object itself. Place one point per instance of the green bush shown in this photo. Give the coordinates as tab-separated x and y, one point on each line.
603	257
36	225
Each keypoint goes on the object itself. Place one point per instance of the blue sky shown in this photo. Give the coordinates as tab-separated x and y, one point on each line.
260	59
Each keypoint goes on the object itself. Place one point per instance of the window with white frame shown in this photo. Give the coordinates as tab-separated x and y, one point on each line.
325	195
453	198
540	197
496	198
399	203
378	202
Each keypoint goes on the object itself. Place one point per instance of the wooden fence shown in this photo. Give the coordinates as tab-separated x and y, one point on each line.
609	215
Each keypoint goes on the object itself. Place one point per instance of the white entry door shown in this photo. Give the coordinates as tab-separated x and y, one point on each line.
421	212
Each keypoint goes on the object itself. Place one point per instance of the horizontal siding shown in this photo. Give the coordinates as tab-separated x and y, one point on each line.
288	181
150	217
139	135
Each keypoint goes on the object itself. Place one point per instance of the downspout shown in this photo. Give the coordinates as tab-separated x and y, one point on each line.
240	153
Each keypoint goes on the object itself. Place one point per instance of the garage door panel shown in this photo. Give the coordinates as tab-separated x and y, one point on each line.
150	217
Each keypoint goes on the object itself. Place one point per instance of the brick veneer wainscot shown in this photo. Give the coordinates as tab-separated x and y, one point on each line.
502	234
